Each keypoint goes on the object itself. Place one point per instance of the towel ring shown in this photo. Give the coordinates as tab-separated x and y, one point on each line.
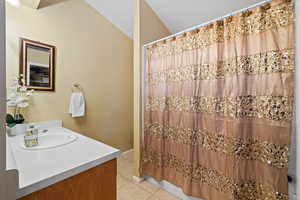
76	86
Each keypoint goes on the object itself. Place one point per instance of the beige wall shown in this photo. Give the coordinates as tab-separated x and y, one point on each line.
91	52
151	27
147	27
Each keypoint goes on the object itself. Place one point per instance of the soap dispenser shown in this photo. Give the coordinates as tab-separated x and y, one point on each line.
31	137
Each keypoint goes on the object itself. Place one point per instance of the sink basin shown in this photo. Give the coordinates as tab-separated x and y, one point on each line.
48	141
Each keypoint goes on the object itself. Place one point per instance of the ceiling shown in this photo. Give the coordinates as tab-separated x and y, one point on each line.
177	15
118	12
46	3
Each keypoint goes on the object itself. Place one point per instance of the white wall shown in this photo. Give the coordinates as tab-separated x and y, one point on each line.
8	179
297	95
2	84
3	194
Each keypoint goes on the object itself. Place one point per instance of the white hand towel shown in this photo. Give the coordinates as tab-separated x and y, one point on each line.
77	105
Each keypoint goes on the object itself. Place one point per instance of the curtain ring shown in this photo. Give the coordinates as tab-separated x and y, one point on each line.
229	19
77	86
247	13
210	26
266	7
220	23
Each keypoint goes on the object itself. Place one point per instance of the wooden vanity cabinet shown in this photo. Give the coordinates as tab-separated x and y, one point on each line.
98	183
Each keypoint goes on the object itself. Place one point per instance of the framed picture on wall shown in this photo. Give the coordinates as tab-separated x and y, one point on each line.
37	62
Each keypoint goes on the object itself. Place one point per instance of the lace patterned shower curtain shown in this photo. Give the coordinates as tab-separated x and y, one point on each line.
218	106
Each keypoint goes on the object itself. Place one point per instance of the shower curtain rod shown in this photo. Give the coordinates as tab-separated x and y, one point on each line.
206	23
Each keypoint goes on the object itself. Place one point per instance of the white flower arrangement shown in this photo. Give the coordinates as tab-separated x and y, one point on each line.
18	95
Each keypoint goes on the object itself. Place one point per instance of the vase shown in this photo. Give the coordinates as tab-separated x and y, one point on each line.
19	129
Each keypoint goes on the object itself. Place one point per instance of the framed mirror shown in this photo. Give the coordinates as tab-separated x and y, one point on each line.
37	62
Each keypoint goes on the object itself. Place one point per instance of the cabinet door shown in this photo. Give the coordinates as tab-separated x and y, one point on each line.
98	183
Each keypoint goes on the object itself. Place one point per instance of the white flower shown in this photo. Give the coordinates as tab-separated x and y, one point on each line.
14	88
11	103
12	95
18	95
23	89
28	94
21	99
23	105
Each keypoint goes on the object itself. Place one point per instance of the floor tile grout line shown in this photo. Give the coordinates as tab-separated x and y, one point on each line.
127	161
153	195
140	187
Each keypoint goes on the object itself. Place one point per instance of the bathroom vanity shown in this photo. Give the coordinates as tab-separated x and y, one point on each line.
76	169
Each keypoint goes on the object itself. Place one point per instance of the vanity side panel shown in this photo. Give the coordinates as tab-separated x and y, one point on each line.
98	183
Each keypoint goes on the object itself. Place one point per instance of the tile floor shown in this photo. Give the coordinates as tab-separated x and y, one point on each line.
127	189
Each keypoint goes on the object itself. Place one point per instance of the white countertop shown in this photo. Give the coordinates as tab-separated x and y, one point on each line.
41	168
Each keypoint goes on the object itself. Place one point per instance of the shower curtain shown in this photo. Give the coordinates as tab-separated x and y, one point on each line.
219	105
